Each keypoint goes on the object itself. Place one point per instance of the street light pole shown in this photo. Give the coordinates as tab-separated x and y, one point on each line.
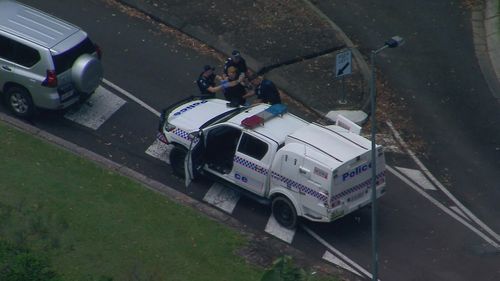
392	43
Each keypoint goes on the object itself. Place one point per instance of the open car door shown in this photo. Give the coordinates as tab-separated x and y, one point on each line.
193	162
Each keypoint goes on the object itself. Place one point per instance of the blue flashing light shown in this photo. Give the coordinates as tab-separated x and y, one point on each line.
259	118
277	109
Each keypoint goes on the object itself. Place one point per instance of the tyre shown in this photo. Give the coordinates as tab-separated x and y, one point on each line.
177	157
284	212
19	101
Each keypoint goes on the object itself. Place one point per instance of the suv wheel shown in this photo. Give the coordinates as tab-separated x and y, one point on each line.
284	212
20	102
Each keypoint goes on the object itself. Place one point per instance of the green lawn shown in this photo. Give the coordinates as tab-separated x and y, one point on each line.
92	222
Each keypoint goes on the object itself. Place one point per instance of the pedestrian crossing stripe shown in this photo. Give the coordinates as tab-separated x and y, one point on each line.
418	177
222	197
160	150
99	108
275	229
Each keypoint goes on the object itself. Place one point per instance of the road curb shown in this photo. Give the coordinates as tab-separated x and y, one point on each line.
280	248
224	47
486	33
363	65
104	162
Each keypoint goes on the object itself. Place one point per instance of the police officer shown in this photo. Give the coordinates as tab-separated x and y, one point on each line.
206	82
237	61
265	90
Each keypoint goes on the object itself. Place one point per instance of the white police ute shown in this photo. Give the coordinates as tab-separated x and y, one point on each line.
302	169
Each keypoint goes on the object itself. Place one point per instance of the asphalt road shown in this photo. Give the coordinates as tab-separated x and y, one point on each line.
418	241
437	75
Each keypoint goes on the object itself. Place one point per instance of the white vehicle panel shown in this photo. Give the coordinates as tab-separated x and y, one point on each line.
341	146
277	128
323	171
192	115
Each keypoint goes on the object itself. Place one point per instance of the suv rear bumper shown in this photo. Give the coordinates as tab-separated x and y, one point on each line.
55	101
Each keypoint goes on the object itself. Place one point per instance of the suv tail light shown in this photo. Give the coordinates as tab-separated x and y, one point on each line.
50	79
98	51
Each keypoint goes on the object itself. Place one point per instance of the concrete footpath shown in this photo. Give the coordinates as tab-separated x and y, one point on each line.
290	42
294	44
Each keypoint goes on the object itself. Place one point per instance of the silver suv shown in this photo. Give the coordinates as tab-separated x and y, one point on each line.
45	62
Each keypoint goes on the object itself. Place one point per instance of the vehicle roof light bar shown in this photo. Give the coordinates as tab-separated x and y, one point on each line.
263	116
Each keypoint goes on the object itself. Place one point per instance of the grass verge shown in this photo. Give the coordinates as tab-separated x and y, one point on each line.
91	222
61	212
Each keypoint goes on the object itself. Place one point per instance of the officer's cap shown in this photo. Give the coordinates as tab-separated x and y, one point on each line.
208	67
236	53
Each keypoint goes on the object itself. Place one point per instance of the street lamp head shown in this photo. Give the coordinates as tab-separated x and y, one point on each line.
394	42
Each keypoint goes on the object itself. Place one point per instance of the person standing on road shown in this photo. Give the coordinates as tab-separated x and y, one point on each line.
237	61
235	93
264	89
206	82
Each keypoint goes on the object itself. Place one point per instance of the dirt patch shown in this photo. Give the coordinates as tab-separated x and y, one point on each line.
183	40
392	107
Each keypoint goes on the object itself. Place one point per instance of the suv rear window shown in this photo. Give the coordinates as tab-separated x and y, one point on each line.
64	61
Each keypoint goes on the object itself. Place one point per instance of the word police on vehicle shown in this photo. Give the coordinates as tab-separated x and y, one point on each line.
301	169
358	170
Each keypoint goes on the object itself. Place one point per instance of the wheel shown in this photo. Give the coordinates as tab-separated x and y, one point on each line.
177	157
20	102
284	212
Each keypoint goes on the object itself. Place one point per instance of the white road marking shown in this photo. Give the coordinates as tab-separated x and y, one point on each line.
337	252
160	150
222	197
333	259
132	97
440	186
417	177
458	211
443	208
275	229
100	106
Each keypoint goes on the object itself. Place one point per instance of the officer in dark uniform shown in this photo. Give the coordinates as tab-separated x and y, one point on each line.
237	61
265	90
206	81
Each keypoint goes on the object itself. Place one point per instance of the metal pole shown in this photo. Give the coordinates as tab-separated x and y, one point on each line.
374	170
342	99
373	93
392	43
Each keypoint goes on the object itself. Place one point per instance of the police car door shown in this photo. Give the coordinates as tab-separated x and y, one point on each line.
220	142
252	161
194	157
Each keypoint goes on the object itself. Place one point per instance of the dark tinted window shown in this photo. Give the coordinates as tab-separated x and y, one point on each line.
253	147
18	53
64	61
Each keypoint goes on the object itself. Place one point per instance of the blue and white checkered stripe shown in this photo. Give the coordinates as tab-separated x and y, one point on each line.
183	134
252	166
380	178
300	187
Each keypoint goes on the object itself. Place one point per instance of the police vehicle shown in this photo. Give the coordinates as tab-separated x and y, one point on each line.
301	169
